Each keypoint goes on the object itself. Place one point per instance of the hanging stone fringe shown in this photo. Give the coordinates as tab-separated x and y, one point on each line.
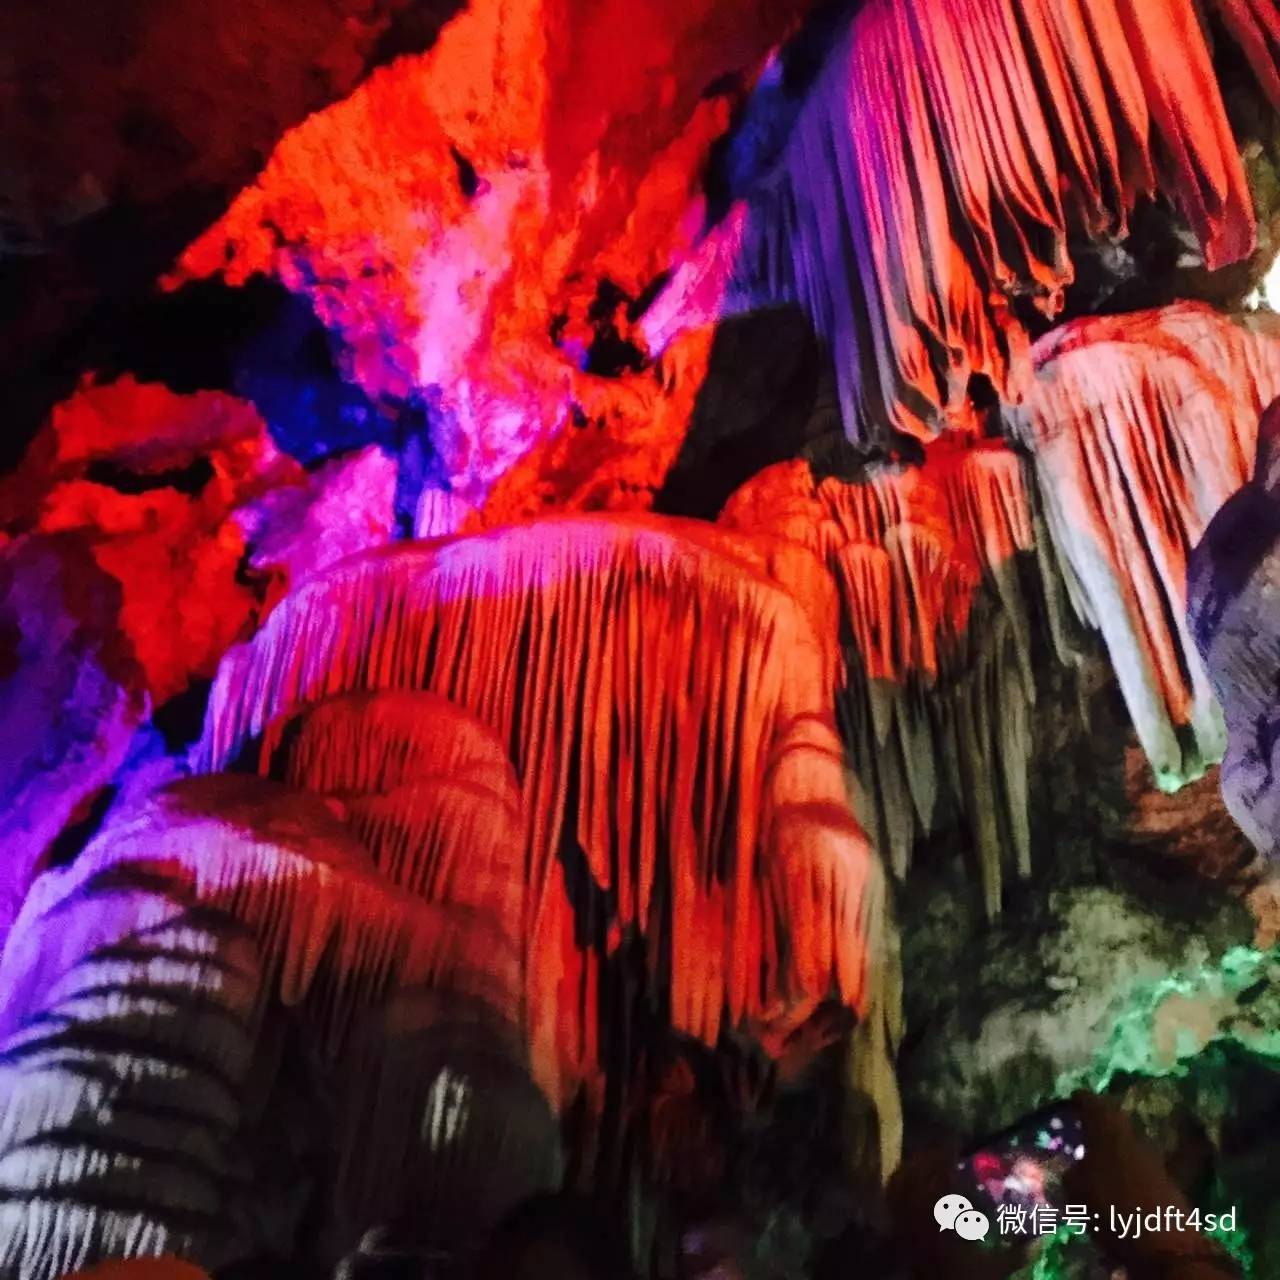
123	1092
651	682
938	686
936	168
333	934
136	981
374	743
1141	426
424	786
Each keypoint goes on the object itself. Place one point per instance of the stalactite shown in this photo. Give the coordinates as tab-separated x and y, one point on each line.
122	1092
426	788
657	691
137	981
936	168
938	683
440	513
331	930
1141	426
376	742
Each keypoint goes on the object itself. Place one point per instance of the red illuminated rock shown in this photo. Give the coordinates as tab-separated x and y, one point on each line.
176	560
629	738
461	205
146	479
938	683
188	504
425	786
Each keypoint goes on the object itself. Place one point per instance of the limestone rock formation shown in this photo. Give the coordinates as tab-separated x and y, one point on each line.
142	985
442	1130
1141	428
147	480
938	680
522	114
128	130
428	790
749	915
71	696
343	507
1232	589
533	510
966	142
186	501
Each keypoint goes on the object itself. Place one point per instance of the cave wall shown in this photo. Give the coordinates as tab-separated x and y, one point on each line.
592	621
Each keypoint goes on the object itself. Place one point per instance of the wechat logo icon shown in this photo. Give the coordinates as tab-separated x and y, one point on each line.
955	1213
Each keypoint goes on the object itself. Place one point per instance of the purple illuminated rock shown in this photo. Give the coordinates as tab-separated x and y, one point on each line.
1234	608
346	506
70	700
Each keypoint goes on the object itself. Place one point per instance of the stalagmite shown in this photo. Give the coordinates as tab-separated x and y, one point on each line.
1141	426
657	691
938	681
936	168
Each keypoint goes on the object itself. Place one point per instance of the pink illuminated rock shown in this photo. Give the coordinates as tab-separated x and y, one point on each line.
345	506
461	202
936	168
144	985
1234	581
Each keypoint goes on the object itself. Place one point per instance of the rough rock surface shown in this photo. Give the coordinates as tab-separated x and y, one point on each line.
129	129
71	696
1128	884
146	480
1234	583
344	506
485	293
